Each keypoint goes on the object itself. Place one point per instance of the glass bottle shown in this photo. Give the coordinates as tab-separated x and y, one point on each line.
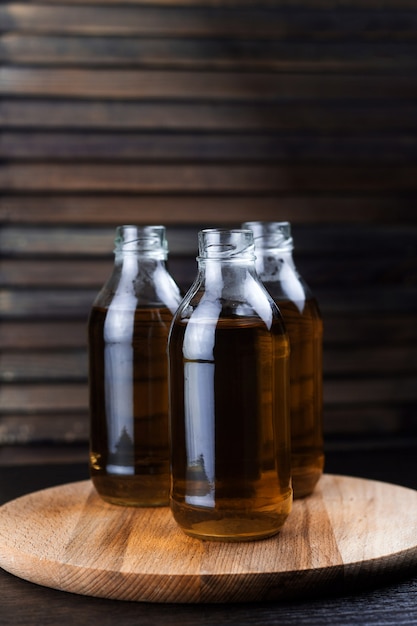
229	384
302	318
128	371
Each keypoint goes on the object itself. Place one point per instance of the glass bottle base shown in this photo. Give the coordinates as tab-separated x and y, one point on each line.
306	474
231	525
139	491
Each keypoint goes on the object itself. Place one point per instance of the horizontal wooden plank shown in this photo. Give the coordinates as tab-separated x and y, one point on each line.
216	20
325	269
387	419
362	269
56	273
71	365
367	330
178	209
43	452
203	147
366	300
20	429
330	241
292	4
50	335
366	241
207	178
58	428
210	85
45	304
59	240
40	398
376	391
386	360
44	367
62	274
360	115
340	332
186	53
62	428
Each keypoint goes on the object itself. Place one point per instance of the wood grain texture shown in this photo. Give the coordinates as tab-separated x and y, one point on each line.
67	538
194	85
206	179
217	148
310	22
195	113
182	209
321	116
293	4
173	53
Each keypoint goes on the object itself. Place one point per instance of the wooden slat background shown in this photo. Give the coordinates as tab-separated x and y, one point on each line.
195	113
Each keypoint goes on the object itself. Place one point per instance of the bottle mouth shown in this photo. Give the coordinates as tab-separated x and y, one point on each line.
146	240
225	244
270	235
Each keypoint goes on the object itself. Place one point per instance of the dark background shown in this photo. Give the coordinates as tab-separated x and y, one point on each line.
200	113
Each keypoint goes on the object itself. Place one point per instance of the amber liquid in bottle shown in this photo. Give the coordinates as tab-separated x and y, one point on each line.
305	330
230	480
129	448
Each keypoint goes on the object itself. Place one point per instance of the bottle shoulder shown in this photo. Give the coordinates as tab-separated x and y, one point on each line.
206	307
145	288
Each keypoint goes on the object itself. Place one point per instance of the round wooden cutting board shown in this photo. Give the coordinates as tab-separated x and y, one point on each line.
350	532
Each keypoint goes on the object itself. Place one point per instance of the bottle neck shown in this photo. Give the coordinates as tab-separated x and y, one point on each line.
274	264
139	250
139	281
225	277
231	289
129	260
277	271
227	283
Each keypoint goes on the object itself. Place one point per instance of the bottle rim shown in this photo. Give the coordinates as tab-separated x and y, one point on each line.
147	240
271	235
226	244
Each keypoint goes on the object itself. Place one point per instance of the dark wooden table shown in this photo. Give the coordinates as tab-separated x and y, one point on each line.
395	603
